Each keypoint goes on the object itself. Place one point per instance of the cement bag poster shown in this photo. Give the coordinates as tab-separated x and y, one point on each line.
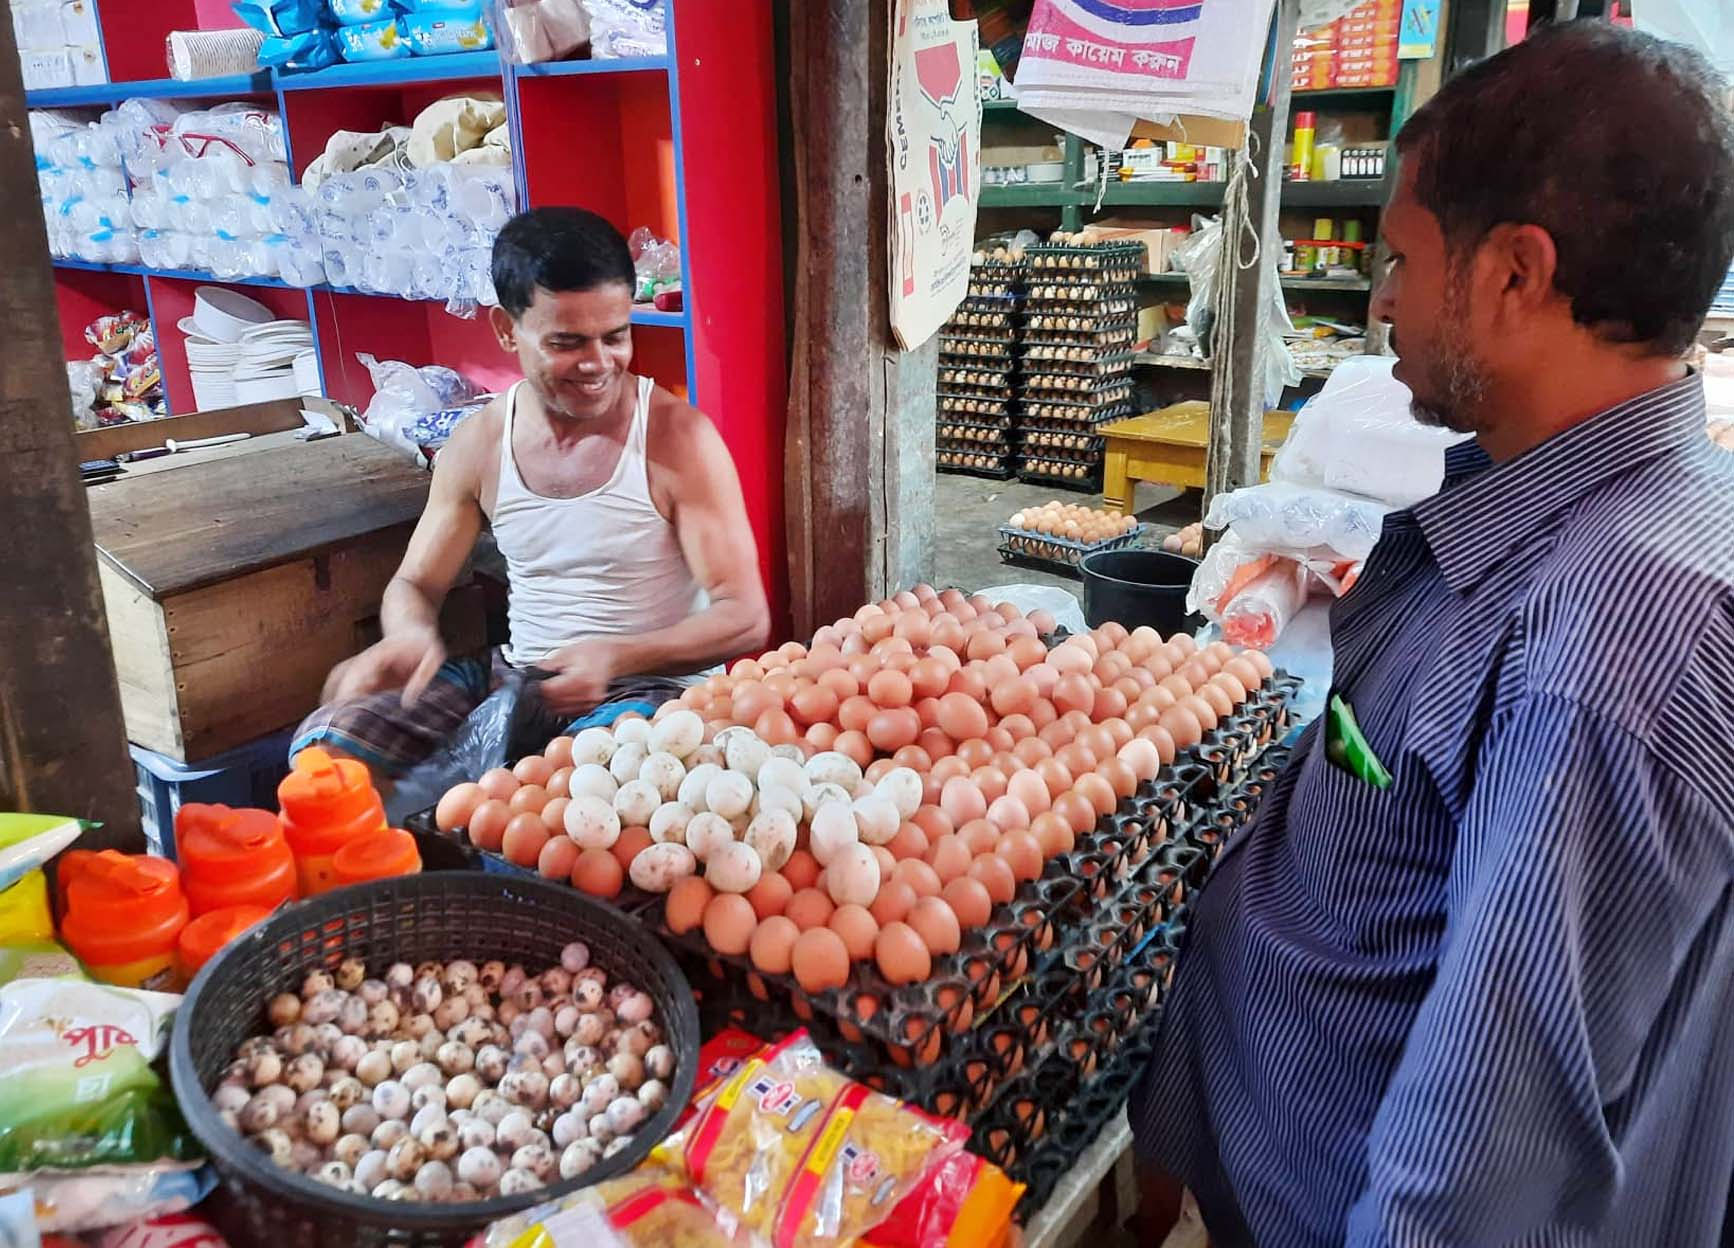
933	133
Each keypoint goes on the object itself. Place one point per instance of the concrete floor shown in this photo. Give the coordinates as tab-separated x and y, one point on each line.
969	510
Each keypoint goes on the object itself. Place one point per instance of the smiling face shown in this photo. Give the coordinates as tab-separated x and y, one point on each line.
1426	299
574	347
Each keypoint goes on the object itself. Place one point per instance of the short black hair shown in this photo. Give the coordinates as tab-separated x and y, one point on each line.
1618	144
557	249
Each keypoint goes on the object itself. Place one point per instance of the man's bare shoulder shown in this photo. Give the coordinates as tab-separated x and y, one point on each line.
469	456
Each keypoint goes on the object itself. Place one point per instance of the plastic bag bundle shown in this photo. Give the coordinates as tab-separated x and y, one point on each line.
1286	516
627	28
656	262
1358	436
416	409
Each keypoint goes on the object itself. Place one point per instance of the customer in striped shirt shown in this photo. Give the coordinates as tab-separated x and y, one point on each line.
1493	1002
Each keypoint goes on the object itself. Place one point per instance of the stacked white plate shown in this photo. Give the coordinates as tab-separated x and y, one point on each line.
212	366
265	368
307	375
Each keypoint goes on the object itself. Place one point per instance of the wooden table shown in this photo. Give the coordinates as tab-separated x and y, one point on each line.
1167	447
233	585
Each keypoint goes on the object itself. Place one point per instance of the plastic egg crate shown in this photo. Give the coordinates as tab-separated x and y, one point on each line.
1075	357
1236	807
1076	388
970	435
1119	334
1075	319
1044	259
912	1023
1101	296
984	317
1098	365
1066	473
997	284
974	377
1069	416
996	466
958	347
1062	549
975	407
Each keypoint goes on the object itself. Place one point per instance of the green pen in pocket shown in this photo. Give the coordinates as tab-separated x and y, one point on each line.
1346	746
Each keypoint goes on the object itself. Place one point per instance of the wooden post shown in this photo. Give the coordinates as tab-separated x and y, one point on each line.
1238	360
859	450
62	740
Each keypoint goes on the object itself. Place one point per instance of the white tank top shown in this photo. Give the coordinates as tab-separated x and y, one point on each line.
604	564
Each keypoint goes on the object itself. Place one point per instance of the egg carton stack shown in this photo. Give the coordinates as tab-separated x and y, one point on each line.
978	350
1081	319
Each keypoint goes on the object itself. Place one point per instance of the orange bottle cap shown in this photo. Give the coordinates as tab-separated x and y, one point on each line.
204	936
326	801
218	843
376	856
122	907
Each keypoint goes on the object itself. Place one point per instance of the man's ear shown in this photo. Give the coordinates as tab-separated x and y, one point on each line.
1525	261
505	328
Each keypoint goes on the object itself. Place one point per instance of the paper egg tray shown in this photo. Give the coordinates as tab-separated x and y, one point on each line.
953	346
970	435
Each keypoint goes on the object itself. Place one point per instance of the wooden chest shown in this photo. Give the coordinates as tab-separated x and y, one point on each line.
234	585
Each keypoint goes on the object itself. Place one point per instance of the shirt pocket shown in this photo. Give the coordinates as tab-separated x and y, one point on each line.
1373	860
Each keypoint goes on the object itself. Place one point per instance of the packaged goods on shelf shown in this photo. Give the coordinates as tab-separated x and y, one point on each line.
627	28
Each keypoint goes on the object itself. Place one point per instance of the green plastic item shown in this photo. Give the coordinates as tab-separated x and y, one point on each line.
1346	746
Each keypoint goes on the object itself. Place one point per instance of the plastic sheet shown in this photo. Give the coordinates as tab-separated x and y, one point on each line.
627	28
1062	604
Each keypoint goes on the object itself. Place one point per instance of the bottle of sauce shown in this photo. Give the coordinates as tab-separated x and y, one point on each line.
233	857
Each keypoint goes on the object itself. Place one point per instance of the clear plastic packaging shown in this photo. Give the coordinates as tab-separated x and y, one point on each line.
383	40
1258	613
1285	515
656	261
435	34
1357	435
627	28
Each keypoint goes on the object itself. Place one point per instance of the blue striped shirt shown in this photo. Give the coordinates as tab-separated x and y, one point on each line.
1494	1002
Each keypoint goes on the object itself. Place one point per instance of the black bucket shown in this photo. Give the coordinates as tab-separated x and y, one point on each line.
1134	587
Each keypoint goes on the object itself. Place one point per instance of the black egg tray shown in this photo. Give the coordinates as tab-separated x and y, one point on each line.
963	347
1081	257
1067	442
1001	470
1082	296
1102	364
1043	322
971	377
1061	551
1061	356
1076	388
1116	337
1041	472
966	434
984	318
1067	416
975	407
914	1023
1235	808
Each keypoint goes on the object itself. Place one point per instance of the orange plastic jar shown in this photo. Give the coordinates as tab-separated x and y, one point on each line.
376	856
233	858
326	802
123	914
201	939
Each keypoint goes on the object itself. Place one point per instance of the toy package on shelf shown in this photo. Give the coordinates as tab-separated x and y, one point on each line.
124	378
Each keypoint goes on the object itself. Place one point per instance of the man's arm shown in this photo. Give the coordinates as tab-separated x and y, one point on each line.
410	650
1585	868
710	521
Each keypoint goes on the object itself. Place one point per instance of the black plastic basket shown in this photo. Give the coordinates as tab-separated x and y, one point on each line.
441	916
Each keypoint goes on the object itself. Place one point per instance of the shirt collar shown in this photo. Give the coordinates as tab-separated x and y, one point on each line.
1482	516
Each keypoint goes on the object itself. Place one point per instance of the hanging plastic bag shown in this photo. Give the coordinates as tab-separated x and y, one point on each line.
1256	614
1198	258
1285	515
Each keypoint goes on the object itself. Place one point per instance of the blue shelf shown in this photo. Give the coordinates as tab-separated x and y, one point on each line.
154	88
650	316
402	72
622	65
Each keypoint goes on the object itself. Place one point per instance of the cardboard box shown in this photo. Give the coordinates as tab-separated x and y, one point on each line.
1159	240
46	69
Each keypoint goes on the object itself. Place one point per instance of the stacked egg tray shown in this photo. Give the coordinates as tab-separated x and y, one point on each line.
1081	309
1068	416
1109	261
1057	554
978	354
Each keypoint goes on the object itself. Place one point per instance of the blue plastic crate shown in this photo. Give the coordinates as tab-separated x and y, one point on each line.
245	776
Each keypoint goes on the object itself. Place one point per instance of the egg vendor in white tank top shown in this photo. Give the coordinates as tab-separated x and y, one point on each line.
615	504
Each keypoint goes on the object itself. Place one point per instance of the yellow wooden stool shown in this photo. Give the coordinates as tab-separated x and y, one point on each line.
1167	447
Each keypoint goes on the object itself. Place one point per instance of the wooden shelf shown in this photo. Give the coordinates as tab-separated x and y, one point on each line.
1153	360
1356	193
